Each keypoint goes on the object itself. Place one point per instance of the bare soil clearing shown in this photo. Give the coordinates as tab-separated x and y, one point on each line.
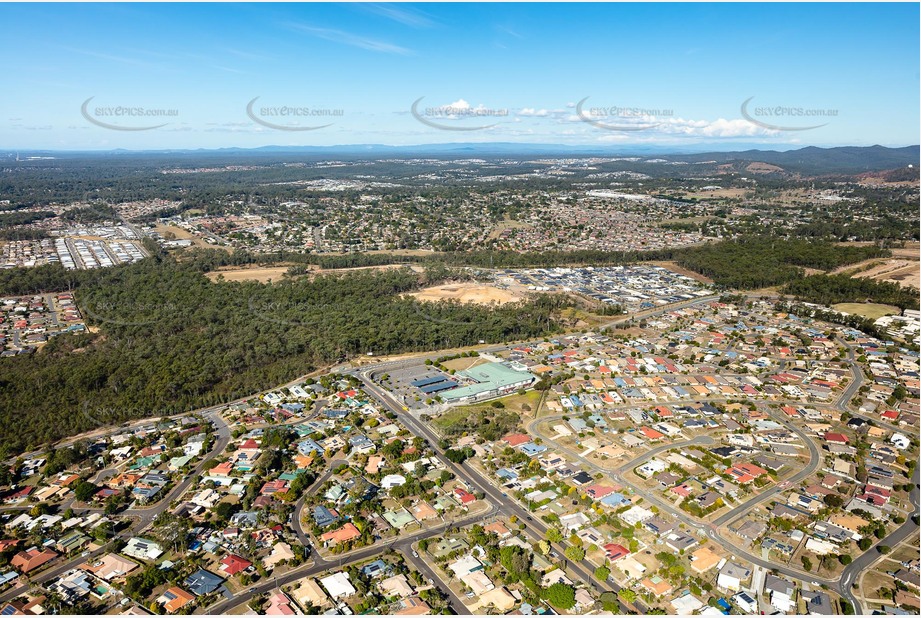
258	274
476	293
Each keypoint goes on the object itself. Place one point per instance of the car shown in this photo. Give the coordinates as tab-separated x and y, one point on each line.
553	554
415	554
431	581
530	518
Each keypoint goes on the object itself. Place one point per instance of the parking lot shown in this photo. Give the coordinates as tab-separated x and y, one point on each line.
400	384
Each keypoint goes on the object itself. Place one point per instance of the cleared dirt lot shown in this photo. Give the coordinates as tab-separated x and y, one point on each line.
899	270
255	273
468	293
904	267
729	192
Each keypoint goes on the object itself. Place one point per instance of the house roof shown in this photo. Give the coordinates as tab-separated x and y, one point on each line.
202	582
343	534
233	564
174	599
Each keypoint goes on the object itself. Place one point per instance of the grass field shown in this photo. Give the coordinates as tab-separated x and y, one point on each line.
461	416
466	362
513	403
867	310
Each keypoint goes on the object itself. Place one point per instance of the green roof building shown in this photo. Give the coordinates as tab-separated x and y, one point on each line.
489	380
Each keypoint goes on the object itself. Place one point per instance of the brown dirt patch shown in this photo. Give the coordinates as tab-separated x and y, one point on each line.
759	166
260	274
467	293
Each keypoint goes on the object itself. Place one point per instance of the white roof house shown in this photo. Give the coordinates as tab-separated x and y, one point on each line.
338	585
142	549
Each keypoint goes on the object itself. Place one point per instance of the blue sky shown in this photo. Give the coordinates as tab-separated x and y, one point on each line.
645	74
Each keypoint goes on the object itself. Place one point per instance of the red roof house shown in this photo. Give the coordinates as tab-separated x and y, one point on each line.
615	551
233	564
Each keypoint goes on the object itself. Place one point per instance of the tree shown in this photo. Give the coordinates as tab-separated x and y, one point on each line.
458	456
807	563
602	573
553	535
609	601
517	561
626	595
225	510
84	491
833	500
883	549
575	553
864	543
561	596
844	559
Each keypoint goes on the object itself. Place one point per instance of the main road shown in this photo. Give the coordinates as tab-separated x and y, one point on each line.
537	529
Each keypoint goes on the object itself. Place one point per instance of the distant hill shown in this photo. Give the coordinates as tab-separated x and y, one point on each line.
814	161
809	161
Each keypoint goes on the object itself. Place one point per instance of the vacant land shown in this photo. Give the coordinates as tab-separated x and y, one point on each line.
261	274
729	192
507	224
867	310
484	419
466	362
759	166
476	293
176	232
902	268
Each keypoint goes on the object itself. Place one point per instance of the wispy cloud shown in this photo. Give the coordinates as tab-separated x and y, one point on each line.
351	39
231	70
402	14
244	54
509	31
111	57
